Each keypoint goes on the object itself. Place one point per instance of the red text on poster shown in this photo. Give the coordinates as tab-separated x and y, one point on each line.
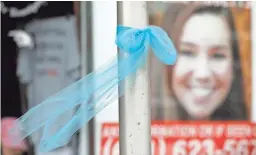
190	138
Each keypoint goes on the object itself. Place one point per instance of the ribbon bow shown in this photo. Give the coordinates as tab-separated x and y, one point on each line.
96	90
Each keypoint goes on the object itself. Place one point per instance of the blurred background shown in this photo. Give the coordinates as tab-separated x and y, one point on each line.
47	45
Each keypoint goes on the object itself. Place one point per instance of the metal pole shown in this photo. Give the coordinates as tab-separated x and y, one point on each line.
84	148
134	109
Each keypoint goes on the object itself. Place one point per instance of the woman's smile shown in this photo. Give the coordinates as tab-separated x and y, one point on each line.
201	95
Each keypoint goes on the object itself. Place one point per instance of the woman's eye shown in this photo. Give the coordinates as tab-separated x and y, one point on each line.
218	56
188	53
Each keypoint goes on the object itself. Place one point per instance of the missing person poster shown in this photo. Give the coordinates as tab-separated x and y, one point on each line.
202	104
211	79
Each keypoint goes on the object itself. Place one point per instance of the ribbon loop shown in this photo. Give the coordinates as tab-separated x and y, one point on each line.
162	46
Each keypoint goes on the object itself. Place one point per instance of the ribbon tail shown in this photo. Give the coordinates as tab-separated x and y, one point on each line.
61	102
80	93
85	113
103	96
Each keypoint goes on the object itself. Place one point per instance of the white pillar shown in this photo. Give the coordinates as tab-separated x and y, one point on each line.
134	109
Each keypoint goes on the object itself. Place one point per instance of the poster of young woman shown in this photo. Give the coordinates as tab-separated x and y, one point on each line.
211	79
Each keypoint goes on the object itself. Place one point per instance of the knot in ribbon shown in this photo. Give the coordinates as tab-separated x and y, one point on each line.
95	91
132	40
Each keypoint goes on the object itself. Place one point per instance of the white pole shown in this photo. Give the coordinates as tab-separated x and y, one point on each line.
134	109
84	137
253	41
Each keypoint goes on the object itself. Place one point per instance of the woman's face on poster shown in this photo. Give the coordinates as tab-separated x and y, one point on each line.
203	73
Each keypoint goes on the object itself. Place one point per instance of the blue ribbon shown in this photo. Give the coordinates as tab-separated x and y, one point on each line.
96	90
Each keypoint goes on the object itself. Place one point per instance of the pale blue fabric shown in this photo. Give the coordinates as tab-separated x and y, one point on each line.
96	90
